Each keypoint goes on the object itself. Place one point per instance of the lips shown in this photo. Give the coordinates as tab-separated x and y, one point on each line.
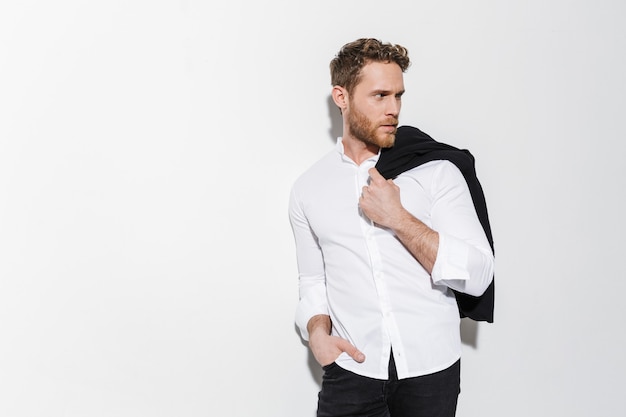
390	128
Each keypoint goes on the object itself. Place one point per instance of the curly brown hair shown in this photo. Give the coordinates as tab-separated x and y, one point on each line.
345	68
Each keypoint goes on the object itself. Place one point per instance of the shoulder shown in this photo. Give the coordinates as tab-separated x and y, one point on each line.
436	168
316	173
319	168
434	177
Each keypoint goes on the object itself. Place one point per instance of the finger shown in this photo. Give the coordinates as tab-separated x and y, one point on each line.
375	175
357	355
351	350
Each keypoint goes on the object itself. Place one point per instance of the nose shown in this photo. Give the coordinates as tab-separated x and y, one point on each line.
393	106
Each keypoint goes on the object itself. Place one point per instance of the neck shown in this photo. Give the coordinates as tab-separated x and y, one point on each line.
357	150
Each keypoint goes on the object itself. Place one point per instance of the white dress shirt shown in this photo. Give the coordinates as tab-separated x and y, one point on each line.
376	293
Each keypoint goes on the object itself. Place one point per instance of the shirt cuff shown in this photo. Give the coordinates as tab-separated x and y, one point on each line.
308	307
452	260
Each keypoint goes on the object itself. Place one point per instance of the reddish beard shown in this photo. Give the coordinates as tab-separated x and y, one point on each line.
366	131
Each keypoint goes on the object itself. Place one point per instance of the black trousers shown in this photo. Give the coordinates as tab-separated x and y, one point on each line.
346	394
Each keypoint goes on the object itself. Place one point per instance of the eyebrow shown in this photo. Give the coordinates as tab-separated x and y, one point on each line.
388	92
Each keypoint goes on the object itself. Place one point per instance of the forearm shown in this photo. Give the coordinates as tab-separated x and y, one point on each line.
420	240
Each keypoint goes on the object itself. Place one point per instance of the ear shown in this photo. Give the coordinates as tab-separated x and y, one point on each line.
340	97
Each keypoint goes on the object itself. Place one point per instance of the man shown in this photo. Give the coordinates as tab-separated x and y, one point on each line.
380	260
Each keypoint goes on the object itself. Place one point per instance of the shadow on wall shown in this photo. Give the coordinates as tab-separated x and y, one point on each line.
314	367
336	121
469	332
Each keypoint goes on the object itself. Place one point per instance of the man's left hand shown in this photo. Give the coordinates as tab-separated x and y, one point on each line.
380	200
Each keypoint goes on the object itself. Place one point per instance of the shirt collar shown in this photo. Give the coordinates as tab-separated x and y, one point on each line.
339	148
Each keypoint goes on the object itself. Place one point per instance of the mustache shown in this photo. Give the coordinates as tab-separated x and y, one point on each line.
392	121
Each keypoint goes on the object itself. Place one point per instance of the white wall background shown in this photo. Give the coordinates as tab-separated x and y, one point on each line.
147	149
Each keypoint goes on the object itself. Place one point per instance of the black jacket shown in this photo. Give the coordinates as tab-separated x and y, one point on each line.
413	148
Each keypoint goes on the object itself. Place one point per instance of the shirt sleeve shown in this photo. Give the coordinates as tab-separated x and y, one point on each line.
465	261
310	261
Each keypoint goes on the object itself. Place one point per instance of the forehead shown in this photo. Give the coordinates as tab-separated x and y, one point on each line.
386	76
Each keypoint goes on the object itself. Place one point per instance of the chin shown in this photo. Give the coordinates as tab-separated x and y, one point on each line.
387	141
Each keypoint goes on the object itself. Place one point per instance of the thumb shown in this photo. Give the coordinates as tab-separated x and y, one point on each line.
375	175
354	353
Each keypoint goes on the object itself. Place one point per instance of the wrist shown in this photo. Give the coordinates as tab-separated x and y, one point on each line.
403	220
319	324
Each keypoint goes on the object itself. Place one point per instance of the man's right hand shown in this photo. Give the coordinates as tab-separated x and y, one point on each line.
326	348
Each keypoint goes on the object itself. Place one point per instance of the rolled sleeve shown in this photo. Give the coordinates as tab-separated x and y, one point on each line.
464	260
462	267
451	262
